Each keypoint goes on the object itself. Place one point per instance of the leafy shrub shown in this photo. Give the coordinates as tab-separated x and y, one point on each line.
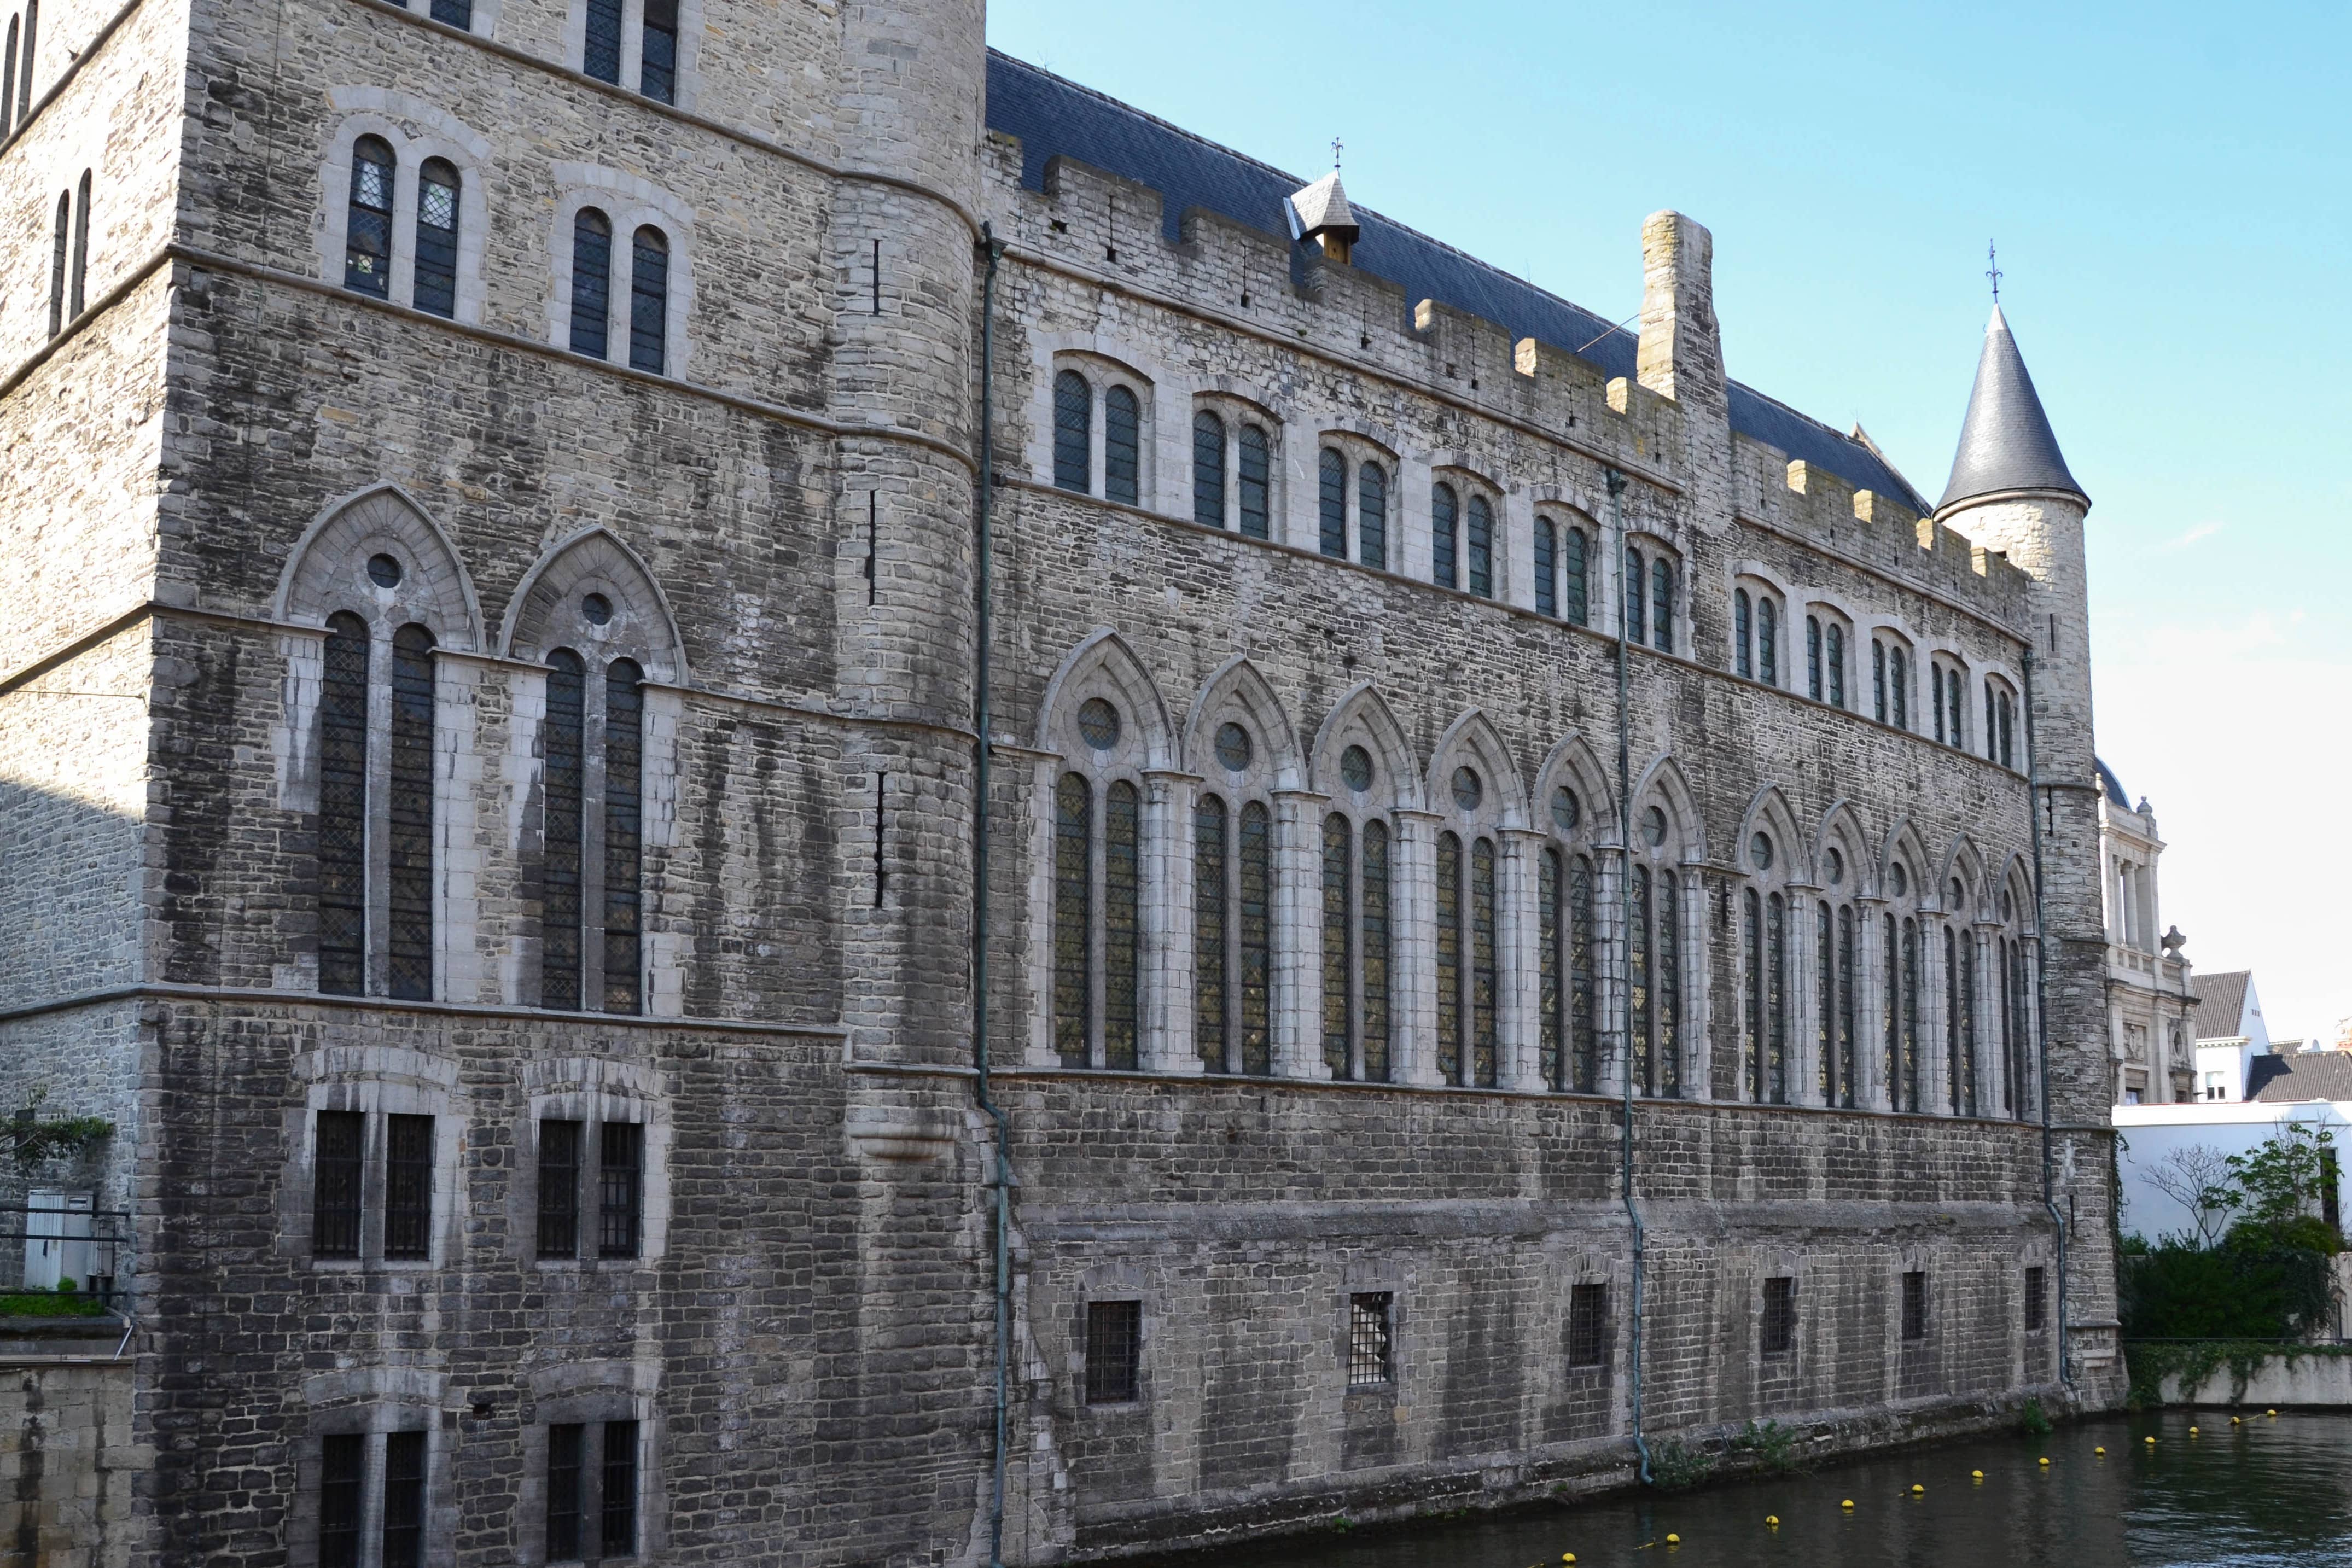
2256	1285
2033	1421
1674	1464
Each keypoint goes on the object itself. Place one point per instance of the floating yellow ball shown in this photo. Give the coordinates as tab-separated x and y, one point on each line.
1917	1489
2272	1414
2151	1442
2045	1460
1847	1504
1673	1540
2192	1431
2235	1422
1976	1475
1772	1521
1567	1556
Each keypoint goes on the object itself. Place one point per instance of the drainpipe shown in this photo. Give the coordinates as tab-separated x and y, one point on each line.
983	547
1625	936
2042	1024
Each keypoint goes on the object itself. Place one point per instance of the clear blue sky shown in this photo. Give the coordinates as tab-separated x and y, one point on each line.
2169	187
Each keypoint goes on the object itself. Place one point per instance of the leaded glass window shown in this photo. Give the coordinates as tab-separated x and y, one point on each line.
436	237
1255	477
1776	999
1969	1023
1373	943
1825	1002
367	221
1072	432
1073	919
1551	1006
343	807
1637	621
1849	1039
1899	677
601	57
1957	700
1485	984
566	740
648	301
1662	604
1936	690
1211	930
1833	643
1910	1019
558	1188
1813	658
1992	722
1332	504
1637	976
1208	469
592	283
1583	1024
1743	633
1122	446
624	767
1878	679
457	13
1753	927
1667	985
1373	515
1443	541
1768	640
1575	598
411	814
1339	945
1254	936
1123	923
1449	958
1481	547
1547	567
657	52
2021	1030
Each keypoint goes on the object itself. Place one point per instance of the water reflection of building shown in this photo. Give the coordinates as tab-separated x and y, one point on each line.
2149	998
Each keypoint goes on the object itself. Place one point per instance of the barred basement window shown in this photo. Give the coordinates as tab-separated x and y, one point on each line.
1743	633
1370	1343
411	814
1114	1352
2037	1300
1914	1305
404	1501
1122	446
342	808
566	740
1482	547
1443	544
1661	595
367	220
1547	572
649	300
657	52
601	55
1256	471
559	1189
338	1155
1073	403
1208	469
619	1533
342	1471
566	1489
436	233
591	282
1588	1325
408	1186
620	1189
1576	600
1332	501
1780	1336
1372	516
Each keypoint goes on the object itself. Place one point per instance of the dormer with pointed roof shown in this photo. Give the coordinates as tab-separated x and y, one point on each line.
1320	213
2006	443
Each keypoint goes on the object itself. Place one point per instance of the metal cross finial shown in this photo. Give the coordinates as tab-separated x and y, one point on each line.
1336	146
1992	270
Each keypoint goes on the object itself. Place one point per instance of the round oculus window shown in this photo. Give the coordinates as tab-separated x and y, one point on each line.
1837	868
1901	878
1759	849
1566	813
1098	724
383	571
1653	825
1356	768
1232	747
597	608
1468	790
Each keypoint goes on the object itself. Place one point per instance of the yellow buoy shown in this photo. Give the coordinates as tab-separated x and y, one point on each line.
1673	1540
1772	1521
2272	1414
2045	1458
1567	1556
1976	1475
2192	1431
1847	1504
2102	1452
2235	1422
1917	1489
2151	1442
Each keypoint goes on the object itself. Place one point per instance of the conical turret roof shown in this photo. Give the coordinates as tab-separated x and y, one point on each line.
2006	442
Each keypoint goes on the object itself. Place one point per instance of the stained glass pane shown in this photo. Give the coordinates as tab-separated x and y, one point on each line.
1752	928
1209	469
342	809
1122	922
565	742
1210	897
1583	1036
1911	1015
1449	958
412	813
1256	472
1484	983
1969	1023
1073	919
1122	446
1073	432
1373	987
624	767
1338	931
1254	946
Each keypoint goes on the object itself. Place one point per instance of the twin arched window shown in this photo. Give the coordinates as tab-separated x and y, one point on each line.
1251	489
1467	982
1074	439
1904	964
604	43
352	867
1756	635
1232	916
1456	526
1835	933
1767	940
1825	672
1650	616
1563	552
2000	724
1371	509
69	259
2015	965
1569	1054
368	228
592	293
1654	969
1890	679
1951	689
591	952
1098	865
16	87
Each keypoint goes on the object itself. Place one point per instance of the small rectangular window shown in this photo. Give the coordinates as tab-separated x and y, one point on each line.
620	1489
1780	1336
408	1186
565	1481
1371	1344
404	1501
1114	1352
342	1464
559	1189
2037	1300
1914	1305
620	1189
1588	1325
335	1168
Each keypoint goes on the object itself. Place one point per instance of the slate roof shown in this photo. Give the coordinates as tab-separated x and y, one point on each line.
2006	442
2221	1004
2111	785
1056	118
2313	1075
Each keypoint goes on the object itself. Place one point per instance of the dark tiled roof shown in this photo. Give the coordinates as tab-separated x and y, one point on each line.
2315	1075
2221	1004
2111	785
2006	442
1055	118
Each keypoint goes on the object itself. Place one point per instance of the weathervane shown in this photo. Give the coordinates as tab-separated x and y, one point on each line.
1992	270
1336	146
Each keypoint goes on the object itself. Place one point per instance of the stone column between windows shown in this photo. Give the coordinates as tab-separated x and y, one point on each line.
1519	944
1298	1001
1296	519
1412	551
1514	549
1412	905
1872	978
1168	1044
1610	958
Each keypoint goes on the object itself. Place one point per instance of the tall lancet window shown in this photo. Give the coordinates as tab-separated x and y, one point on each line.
1654	966
411	874
1357	892
1568	1024
1097	889
1232	893
343	808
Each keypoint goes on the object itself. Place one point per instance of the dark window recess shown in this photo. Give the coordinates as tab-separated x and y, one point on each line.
1780	1336
620	1489
648	301
1588	1325
1914	1305
2037	1300
411	814
408	1186
1372	516
436	234
601	58
1482	547
342	809
1547	572
343	1464
1370	1346
1256	472
1122	931
624	767
367	220
566	1480
559	1189
76	292
1445	555
459	14
1208	470
1331	503
620	1189
592	283
1072	432
404	1501
1073	894
335	1167
1114	1352
1122	446
58	265
565	744
658	54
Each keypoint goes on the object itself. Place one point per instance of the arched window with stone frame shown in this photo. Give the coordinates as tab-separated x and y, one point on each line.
1960	997
380	582
438	188
649	282
1658	957
1233	467
367	220
2000	721
1373	508
1445	534
1101	416
1841	943
1563	558
1240	744
590	614
2017	952
1074	413
1909	1066
1477	793
1364	769
1577	818
1828	674
1208	468
1772	951
1105	725
1947	699
647	47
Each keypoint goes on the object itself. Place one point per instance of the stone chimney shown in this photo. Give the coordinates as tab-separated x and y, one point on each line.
1682	352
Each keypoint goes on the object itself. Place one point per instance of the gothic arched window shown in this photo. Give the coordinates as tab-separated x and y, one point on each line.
1903	962
1073	407
1255	477
1208	469
25	81
1332	504
1743	633
1960	1006
1956	699
367	220
1878	679
1097	918
1467	983
1568	1040
1898	678
1662	604
437	238
1768	640
343	807
411	960
648	300
1654	969
1834	650
75	292
1481	547
1445	544
1372	516
1546	573
1575	557
590	911
1766	945
1122	446
1232	900
592	283
1357	893
564	836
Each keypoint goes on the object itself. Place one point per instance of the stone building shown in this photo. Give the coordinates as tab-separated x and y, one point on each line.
2152	999
1508	896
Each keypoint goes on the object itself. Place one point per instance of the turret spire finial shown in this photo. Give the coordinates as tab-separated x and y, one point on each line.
1993	269
1336	146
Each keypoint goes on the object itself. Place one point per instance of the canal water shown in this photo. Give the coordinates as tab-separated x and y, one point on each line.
2275	1493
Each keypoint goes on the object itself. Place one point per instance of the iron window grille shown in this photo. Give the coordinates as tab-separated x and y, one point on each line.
1588	1325
559	1189
404	1501
619	1511
342	1466
566	1487
2037	1300
1914	1305
1114	1352
335	1169
408	1186
620	1189
1779	1337
1372	1351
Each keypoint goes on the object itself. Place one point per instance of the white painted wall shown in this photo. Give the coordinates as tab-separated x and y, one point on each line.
2150	1132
